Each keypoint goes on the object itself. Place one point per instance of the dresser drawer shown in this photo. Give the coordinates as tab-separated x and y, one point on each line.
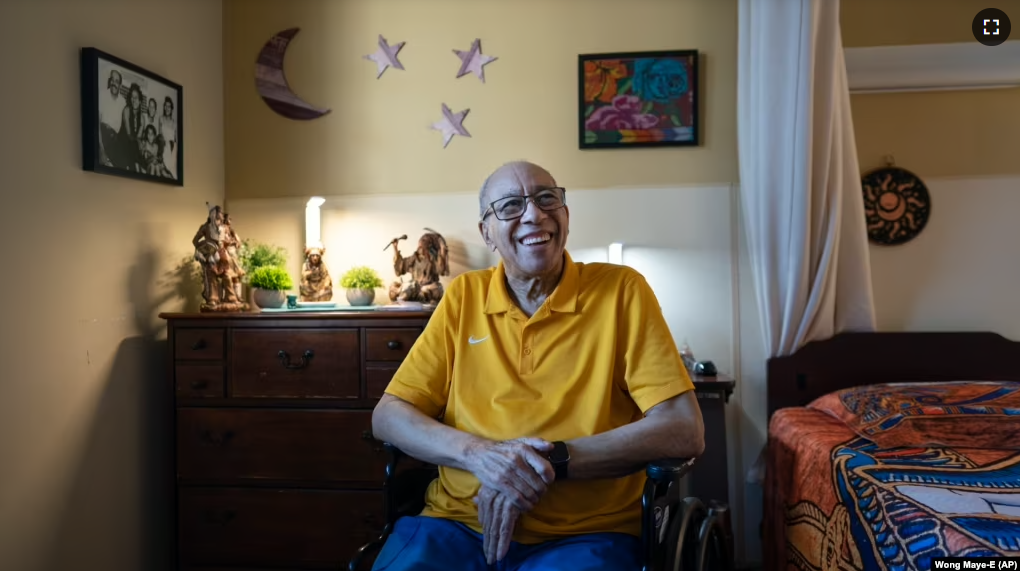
276	528
296	363
389	344
199	380
305	445
199	343
377	379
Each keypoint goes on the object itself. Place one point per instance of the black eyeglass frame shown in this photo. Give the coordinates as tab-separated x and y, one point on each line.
527	198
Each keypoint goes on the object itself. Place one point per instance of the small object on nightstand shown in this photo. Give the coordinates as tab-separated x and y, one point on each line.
687	356
705	369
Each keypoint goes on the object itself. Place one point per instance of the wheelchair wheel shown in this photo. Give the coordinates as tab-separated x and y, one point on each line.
683	553
715	547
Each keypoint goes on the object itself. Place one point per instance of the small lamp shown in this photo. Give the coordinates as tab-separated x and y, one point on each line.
313	222
316	283
616	253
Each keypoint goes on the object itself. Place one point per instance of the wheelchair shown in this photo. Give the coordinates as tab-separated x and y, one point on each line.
677	534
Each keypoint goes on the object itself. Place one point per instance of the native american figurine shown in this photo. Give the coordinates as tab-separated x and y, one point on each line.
218	273
425	265
232	244
316	285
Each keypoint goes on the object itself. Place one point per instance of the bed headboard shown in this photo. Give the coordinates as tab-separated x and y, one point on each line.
854	359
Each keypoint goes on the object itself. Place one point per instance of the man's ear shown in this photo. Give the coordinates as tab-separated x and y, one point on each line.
483	229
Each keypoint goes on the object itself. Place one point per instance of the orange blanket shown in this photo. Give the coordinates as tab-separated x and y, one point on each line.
837	500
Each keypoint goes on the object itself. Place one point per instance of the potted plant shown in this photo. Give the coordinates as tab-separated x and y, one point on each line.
360	283
269	284
254	255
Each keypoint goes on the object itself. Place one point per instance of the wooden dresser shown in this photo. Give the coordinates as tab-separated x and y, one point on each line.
275	463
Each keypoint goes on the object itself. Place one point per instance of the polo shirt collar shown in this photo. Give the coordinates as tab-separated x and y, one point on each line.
563	298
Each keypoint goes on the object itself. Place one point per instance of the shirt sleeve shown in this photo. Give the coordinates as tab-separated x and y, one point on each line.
423	378
653	369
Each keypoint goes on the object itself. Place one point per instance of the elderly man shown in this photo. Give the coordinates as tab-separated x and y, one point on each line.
541	388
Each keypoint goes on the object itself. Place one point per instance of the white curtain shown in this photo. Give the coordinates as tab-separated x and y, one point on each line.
799	175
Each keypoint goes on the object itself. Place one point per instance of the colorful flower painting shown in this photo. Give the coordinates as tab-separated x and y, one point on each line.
640	99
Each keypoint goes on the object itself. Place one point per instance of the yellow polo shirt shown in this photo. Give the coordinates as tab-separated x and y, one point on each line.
594	357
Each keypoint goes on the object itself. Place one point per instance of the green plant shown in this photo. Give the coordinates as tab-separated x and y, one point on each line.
256	255
361	277
271	277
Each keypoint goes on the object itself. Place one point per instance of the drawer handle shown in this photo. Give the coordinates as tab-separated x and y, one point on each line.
217	439
198	345
393	345
285	359
199	385
221	517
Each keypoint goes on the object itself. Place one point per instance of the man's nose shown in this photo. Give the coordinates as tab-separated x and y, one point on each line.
532	213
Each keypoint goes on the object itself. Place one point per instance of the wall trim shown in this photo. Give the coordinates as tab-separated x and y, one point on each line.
932	67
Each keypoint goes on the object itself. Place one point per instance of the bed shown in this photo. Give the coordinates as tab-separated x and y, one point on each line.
888	449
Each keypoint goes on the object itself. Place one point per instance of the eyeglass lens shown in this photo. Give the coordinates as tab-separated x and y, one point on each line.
514	206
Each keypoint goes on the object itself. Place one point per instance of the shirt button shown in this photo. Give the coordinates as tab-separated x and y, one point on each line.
527	351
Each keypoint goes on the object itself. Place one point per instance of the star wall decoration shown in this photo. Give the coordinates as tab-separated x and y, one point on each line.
472	60
451	124
386	56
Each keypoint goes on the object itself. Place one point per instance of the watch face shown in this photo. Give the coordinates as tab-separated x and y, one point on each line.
559	453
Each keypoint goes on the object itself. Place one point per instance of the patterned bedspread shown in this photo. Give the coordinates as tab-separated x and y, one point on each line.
835	499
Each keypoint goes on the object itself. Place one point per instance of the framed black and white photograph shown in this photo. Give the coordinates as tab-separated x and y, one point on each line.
131	120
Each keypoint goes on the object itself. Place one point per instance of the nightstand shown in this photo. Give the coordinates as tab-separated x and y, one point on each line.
710	478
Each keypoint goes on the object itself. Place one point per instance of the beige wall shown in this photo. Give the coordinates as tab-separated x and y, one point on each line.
376	139
959	272
942	134
82	373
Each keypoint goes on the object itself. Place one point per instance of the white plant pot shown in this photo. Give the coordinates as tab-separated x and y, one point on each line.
269	299
360	297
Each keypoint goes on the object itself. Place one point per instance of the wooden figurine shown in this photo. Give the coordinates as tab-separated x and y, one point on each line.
426	265
232	243
316	284
219	268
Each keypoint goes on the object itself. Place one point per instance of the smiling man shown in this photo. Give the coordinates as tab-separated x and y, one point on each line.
541	388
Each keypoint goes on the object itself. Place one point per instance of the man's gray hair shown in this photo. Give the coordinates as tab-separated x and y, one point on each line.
483	202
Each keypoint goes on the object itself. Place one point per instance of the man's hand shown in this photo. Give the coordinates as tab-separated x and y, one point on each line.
498	517
517	469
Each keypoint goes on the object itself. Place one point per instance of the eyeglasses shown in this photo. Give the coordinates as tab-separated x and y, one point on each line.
511	207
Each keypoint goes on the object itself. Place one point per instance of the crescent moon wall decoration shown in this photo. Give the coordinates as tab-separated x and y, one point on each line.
897	205
271	81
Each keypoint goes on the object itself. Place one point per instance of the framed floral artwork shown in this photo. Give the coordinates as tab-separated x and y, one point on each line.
638	99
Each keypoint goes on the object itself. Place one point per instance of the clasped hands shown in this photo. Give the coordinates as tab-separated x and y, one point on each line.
513	474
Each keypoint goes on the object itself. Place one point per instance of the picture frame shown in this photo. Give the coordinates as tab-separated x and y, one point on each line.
144	142
638	99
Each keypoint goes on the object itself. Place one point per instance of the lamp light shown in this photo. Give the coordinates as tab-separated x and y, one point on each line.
616	253
313	222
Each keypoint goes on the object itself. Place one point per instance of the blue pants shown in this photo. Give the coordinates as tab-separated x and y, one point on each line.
429	543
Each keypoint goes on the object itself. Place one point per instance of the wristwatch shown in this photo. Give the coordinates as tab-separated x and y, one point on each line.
560	459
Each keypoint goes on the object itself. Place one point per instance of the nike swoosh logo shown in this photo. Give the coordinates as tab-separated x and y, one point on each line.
474	341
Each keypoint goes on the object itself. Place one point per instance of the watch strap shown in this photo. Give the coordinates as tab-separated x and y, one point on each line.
560	459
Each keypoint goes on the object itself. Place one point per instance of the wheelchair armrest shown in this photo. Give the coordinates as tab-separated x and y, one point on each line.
393	452
668	469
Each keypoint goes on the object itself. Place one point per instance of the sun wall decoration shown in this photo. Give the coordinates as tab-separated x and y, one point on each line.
638	99
897	204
